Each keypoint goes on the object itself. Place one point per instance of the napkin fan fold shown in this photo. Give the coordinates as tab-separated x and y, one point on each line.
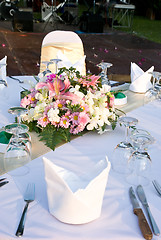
73	199
79	65
140	80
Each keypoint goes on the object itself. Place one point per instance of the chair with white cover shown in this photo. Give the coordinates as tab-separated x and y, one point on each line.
64	45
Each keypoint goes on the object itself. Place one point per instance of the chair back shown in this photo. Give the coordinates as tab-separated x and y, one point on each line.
68	42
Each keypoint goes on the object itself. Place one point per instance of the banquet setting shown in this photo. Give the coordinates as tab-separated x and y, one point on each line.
79	152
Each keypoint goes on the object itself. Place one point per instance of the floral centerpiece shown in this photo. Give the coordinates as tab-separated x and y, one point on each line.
65	104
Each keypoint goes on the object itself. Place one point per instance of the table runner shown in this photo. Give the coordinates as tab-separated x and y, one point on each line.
117	220
38	147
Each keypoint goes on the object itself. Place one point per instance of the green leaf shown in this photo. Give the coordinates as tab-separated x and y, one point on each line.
53	136
33	126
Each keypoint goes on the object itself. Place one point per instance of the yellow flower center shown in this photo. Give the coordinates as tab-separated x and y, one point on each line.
64	121
45	119
75	117
33	99
60	105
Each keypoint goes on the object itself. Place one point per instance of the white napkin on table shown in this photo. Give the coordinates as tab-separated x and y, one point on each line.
140	80
79	65
3	63
73	199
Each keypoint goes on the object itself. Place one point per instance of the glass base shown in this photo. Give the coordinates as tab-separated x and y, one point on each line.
137	180
21	171
120	157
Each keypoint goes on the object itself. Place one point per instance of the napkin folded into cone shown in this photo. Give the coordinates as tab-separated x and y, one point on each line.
65	62
140	80
73	199
3	63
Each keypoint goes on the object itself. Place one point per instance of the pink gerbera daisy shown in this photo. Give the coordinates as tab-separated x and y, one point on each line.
64	122
43	121
74	117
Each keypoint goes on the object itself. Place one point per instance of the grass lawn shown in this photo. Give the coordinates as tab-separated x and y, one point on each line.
150	29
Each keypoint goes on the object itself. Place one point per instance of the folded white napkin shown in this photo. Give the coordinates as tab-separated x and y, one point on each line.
3	63
79	65
73	199
140	80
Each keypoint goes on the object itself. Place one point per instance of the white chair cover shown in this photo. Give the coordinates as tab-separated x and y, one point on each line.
69	43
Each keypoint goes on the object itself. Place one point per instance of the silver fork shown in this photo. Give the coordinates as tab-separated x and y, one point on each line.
29	196
157	187
20	81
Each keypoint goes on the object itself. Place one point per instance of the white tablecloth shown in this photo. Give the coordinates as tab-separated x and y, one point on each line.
117	220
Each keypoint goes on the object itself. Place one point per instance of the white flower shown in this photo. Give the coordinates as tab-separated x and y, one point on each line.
39	97
53	115
29	116
39	110
92	125
105	88
76	91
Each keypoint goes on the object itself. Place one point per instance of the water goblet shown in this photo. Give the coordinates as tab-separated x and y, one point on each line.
17	153
3	90
124	149
152	93
104	73
47	70
18	111
127	122
139	163
158	84
56	61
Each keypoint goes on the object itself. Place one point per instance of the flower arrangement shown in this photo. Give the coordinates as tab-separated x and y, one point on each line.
65	104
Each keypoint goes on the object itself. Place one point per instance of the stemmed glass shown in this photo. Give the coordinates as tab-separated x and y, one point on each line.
56	61
18	111
104	73
17	153
153	92
124	149
158	84
47	70
24	136
3	89
139	163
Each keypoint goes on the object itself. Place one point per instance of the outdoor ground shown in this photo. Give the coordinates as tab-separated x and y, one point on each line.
23	49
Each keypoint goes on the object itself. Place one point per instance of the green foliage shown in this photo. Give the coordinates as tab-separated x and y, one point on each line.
54	136
33	126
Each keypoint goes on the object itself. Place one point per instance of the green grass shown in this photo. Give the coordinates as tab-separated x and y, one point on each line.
150	29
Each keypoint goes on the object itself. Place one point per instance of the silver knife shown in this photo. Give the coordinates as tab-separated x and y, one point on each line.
143	224
142	197
3	183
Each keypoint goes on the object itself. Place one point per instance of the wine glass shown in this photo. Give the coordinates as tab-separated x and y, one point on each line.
152	93
56	61
17	154
18	111
139	163
3	90
104	73
127	122
47	70
124	149
158	84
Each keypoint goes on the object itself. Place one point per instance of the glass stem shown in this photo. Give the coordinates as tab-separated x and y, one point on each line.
126	133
